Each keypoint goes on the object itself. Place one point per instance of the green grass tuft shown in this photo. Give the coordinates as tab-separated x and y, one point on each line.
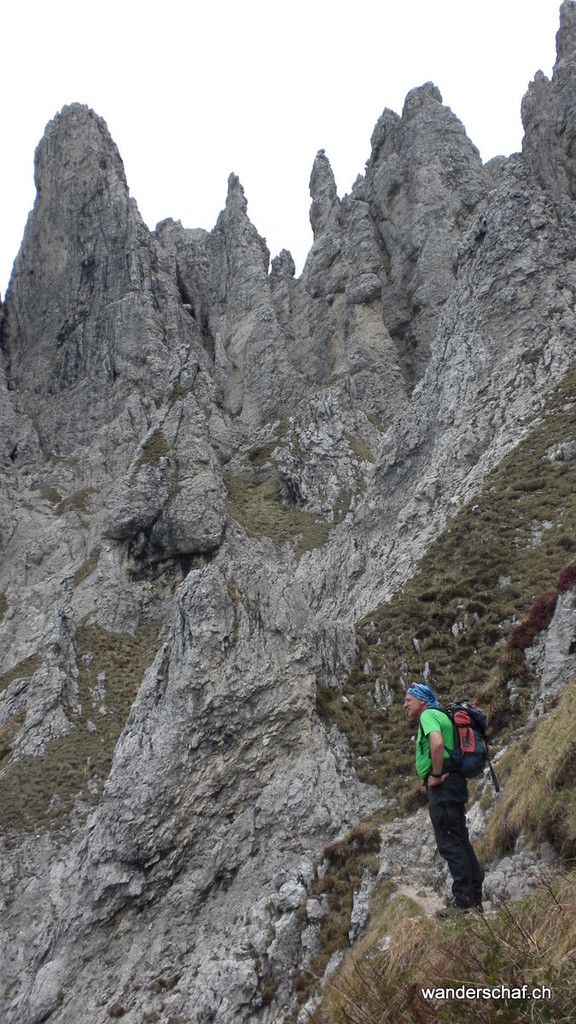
359	449
257	505
87	568
49	493
25	669
77	502
155	447
9	730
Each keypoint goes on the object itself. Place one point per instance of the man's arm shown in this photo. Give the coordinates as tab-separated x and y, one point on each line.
437	757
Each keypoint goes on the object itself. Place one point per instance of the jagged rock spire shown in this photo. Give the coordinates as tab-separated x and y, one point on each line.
549	115
79	307
566	35
324	194
236	197
75	252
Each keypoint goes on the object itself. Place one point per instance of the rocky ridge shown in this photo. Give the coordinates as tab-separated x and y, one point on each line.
246	461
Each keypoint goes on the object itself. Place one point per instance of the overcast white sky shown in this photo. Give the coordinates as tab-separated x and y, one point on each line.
194	90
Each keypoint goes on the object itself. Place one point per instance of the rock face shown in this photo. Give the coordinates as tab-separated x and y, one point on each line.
211	470
549	118
82	298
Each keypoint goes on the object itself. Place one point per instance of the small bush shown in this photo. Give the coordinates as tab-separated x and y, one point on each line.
539	618
116	1011
521	637
542	610
567	578
336	853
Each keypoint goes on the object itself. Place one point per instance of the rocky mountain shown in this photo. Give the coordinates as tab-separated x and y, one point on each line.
212	470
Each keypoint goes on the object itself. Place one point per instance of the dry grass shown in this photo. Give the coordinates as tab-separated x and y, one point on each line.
8	731
155	447
87	568
77	502
531	943
539	784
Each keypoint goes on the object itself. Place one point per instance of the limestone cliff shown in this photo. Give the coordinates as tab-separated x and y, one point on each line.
211	469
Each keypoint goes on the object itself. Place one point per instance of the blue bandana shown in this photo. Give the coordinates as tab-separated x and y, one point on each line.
423	692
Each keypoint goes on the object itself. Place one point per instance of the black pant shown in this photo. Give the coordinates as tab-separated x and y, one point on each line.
446	805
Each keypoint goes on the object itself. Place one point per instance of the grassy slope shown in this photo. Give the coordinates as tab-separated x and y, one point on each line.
40	792
531	943
482	592
539	784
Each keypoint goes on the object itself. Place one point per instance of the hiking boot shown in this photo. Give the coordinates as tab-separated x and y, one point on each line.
454	909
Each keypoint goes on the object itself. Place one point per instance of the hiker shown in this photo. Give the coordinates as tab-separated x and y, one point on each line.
447	794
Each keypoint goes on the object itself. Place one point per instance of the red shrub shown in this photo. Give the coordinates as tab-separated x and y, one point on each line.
541	612
539	618
521	636
567	577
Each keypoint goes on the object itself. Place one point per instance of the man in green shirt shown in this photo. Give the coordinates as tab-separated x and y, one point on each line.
446	792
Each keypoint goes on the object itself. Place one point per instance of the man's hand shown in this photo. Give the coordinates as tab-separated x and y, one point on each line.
438	781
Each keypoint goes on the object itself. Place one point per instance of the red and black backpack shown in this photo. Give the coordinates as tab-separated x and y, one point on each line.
470	754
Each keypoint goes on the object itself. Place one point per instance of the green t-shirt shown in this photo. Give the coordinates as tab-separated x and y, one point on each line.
432	720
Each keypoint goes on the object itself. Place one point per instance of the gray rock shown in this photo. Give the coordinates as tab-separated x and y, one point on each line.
315	910
361	907
548	117
290	896
552	657
47	992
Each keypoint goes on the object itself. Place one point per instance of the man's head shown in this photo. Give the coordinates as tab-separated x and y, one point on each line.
418	698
